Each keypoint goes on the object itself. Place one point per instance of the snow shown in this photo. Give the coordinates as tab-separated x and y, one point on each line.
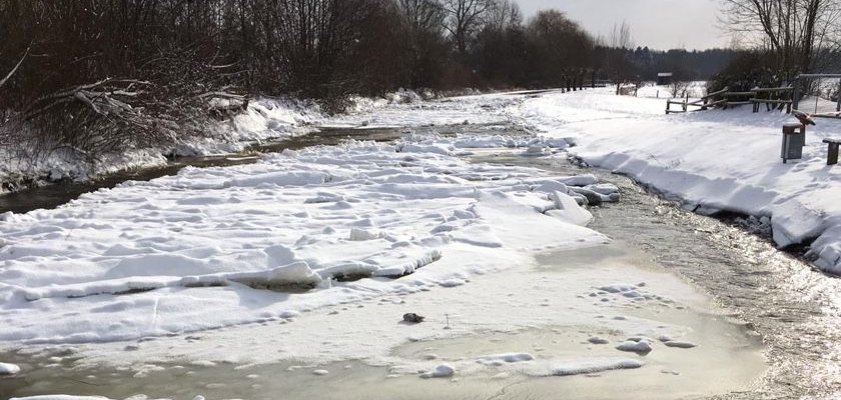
313	255
679	344
8	369
583	366
637	346
719	160
263	119
295	232
440	371
500	359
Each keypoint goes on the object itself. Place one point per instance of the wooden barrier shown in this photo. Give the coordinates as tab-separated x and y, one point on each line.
780	98
704	103
774	98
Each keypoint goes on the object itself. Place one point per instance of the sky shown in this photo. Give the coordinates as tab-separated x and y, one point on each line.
658	24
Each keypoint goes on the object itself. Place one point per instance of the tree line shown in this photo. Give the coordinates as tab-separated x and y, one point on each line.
100	75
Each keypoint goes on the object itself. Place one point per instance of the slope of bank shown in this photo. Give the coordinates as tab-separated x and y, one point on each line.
263	119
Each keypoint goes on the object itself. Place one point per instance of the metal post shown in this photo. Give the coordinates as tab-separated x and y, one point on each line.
795	97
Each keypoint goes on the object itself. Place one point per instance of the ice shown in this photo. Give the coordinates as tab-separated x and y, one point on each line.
637	346
500	359
8	369
617	288
598	340
582	366
679	344
212	247
440	371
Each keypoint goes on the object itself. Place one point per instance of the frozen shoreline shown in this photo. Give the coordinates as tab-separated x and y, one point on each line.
720	160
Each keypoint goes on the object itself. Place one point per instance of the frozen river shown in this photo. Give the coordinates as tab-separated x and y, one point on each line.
718	312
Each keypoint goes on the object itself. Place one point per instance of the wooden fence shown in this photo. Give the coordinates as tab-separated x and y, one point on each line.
773	98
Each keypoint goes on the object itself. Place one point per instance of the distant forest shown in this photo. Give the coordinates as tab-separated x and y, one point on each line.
311	48
97	75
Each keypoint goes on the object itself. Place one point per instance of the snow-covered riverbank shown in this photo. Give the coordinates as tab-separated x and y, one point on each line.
715	160
265	119
27	165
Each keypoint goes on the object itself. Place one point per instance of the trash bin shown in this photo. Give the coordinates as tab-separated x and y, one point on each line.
794	138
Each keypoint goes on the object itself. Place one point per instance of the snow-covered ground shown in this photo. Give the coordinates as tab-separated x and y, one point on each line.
263	119
714	160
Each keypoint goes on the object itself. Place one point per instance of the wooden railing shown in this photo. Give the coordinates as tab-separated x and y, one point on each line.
780	97
704	103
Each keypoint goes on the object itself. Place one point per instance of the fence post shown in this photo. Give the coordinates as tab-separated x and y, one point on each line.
838	106
795	96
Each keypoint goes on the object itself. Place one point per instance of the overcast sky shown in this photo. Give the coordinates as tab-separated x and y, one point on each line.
659	24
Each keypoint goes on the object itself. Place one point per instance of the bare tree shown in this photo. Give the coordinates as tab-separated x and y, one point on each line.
617	59
504	14
679	87
792	30
620	36
464	19
422	15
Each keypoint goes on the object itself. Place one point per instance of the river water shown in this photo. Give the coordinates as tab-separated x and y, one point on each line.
791	305
776	329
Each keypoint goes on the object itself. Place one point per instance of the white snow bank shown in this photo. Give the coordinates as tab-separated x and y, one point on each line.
714	160
220	246
263	119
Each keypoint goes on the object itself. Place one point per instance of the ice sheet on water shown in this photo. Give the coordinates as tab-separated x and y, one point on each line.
197	250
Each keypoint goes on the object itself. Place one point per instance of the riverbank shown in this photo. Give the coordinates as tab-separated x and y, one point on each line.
713	161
